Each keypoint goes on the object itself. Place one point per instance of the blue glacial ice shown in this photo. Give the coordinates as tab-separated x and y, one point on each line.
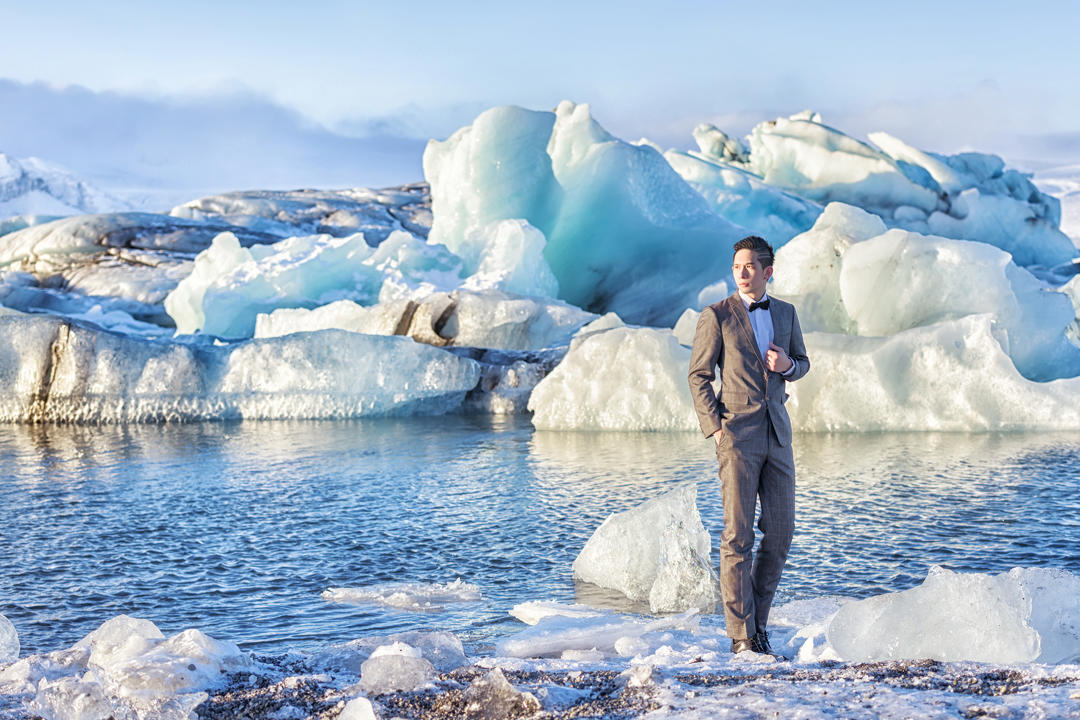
624	232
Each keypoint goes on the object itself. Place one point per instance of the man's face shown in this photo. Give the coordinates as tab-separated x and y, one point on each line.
749	276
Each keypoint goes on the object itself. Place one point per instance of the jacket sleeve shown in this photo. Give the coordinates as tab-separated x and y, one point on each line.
797	350
708	343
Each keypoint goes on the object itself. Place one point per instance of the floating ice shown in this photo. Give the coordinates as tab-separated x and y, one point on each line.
9	641
1024	615
53	371
620	379
231	285
492	697
556	634
534	611
418	597
658	551
395	668
624	231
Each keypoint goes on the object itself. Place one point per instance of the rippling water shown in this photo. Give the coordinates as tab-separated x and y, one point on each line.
236	529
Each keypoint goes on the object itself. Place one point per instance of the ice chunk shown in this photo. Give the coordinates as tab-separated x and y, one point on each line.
359	708
9	641
624	231
534	611
508	255
52	371
621	379
1072	290
407	596
442	649
395	668
712	293
715	143
744	199
492	697
658	551
381	319
1024	615
606	632
230	285
72	698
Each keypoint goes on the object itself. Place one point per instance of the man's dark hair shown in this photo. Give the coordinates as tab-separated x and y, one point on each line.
761	248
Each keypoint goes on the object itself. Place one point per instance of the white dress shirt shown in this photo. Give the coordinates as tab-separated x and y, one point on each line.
761	322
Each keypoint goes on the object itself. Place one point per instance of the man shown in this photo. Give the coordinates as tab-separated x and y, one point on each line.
758	345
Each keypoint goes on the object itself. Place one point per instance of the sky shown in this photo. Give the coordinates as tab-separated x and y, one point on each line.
357	78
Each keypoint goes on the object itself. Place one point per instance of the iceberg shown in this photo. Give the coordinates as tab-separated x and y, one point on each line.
1024	615
624	231
407	596
508	255
968	196
53	371
618	379
658	551
9	641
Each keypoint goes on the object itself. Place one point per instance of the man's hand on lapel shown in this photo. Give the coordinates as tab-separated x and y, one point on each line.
776	359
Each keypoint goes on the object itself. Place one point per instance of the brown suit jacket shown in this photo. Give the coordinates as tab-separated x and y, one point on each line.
751	397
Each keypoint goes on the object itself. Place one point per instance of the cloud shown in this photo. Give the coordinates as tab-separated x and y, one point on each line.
228	141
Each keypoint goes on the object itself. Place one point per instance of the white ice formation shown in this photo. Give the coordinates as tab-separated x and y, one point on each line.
442	649
9	641
54	371
126	668
658	551
418	597
624	232
492	697
1024	615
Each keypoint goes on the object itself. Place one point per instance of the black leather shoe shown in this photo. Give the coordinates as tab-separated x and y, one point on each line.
744	645
762	642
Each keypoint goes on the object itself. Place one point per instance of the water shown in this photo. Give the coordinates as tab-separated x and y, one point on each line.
236	529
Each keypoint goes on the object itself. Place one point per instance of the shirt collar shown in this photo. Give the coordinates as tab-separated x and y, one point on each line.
746	299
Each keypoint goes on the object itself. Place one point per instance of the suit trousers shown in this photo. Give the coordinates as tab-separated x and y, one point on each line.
751	471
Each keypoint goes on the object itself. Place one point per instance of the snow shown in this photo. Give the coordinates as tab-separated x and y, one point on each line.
53	371
1024	615
407	596
658	551
624	232
9	641
619	379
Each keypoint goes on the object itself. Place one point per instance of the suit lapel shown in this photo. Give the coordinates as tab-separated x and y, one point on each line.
739	310
774	315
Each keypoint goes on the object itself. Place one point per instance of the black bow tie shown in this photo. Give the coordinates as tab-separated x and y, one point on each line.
763	304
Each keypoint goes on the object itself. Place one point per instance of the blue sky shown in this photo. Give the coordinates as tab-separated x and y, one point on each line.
947	76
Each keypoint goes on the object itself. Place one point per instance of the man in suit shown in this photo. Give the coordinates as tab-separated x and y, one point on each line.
756	342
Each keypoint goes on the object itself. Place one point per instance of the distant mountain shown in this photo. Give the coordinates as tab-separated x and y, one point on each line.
34	187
